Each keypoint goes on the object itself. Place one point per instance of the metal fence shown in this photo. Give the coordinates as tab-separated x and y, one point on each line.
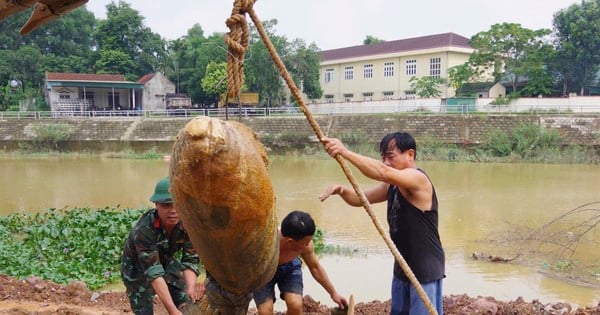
356	108
171	113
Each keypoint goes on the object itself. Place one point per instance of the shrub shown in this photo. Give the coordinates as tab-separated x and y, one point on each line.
527	140
47	136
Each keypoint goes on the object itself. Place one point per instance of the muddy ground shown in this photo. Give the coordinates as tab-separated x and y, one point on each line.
34	296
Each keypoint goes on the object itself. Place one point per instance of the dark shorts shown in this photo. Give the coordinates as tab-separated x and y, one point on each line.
288	278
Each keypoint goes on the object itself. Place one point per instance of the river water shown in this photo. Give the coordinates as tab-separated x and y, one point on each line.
477	202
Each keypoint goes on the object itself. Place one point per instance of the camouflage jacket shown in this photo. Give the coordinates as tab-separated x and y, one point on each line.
149	253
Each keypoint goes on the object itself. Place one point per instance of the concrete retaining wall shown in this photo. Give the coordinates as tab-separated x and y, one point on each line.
142	133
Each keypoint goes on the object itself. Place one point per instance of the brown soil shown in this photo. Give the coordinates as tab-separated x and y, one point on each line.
35	296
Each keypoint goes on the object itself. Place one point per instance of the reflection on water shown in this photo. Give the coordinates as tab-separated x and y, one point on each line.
477	201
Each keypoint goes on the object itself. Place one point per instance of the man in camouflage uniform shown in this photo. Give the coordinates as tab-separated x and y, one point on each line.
148	264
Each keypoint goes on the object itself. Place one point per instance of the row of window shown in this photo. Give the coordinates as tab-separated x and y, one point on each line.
368	96
435	70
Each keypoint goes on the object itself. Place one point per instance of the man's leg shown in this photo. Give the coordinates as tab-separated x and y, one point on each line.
265	308
433	290
264	298
140	299
291	287
400	297
293	302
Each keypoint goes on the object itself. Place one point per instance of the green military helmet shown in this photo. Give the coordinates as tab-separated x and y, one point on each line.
161	192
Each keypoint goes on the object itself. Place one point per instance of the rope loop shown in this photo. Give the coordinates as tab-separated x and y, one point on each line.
237	45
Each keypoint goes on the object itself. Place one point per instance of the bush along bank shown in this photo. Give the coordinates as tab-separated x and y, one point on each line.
526	142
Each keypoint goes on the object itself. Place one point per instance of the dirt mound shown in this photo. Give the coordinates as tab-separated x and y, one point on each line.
36	296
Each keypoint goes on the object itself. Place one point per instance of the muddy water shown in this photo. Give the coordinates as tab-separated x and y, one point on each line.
477	201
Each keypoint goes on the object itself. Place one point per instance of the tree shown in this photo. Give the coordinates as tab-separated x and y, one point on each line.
70	35
10	38
262	75
115	62
369	40
62	45
578	33
427	87
303	64
539	78
190	56
461	74
214	82
27	66
124	31
503	49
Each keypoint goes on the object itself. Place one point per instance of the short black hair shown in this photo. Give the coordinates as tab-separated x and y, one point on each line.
298	225
404	141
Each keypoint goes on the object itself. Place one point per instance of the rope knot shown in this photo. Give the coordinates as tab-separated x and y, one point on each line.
237	45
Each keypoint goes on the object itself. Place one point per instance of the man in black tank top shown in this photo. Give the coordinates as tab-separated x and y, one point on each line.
412	214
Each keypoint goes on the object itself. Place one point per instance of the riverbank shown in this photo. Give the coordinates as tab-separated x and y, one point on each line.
473	138
35	296
142	134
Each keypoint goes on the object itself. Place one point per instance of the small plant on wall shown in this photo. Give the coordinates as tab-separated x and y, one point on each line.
47	136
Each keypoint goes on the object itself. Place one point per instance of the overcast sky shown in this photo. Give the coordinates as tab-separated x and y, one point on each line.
342	23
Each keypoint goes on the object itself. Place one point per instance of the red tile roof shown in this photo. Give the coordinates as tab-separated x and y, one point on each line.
146	78
57	76
416	43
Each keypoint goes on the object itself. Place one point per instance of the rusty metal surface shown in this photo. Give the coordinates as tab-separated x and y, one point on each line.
222	190
43	12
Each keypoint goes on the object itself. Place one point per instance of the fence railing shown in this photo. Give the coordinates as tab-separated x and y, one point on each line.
317	109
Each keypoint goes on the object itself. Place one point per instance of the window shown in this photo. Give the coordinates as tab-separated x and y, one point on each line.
349	73
368	71
411	67
329	98
388	95
368	96
328	75
348	97
435	67
409	94
388	69
64	94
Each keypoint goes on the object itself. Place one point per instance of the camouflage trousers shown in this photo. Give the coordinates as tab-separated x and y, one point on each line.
141	295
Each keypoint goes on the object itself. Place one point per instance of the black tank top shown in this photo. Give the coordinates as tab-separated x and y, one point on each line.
416	236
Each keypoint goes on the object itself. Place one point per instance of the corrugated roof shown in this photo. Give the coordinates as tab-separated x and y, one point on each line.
416	43
57	76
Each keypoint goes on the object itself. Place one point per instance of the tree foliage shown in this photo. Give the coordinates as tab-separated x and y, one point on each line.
504	49
303	63
427	86
122	44
124	31
459	75
577	30
262	75
189	57
370	39
214	82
